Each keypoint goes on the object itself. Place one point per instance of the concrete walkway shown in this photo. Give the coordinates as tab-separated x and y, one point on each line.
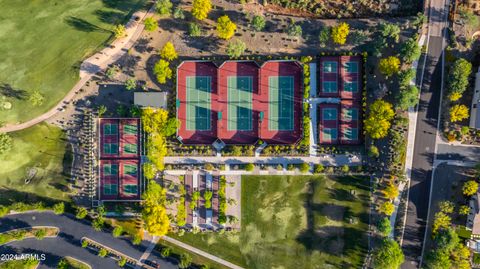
328	160
201	253
92	65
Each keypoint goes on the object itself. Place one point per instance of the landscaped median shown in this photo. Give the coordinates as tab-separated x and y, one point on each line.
38	232
104	251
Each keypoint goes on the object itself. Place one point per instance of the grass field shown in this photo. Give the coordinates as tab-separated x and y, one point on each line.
42	43
42	151
296	222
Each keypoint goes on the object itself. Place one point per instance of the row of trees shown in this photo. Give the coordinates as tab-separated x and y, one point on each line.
457	83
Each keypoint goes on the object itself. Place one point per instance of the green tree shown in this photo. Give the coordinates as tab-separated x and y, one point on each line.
6	143
305	167
194	30
384	226
410	50
101	110
178	13
117	231
470	188
386	208
185	261
458	113
225	27
390	30
111	71
122	262
388	255
406	76
340	32
59	208
249	167
162	71
149	171
446	207
201	8
40	234
345	169
63	264
98	223
150	24
408	97
391	191
373	151
136	239
102	253
154	213
164	7
379	119
119	31
438	260
457	80
464	210
81	213
236	48
130	84
168	52
84	243
165	252
258	23
36	98
389	66
318	168
324	36
441	221
294	29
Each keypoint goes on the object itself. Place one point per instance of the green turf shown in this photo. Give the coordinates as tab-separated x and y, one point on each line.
198	103
239	103
42	148
42	43
280	108
283	226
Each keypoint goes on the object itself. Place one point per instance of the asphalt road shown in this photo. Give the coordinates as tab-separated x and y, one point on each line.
68	242
425	139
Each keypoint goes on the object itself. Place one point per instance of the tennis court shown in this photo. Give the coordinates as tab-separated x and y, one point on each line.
240	103
281	101
110	129
198	103
110	148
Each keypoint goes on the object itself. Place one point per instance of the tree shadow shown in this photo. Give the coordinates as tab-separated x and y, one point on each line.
7	90
110	17
83	25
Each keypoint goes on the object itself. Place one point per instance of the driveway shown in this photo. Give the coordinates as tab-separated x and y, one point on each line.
468	153
68	242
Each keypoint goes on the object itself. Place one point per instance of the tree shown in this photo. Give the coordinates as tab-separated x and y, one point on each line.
390	191
340	33
390	30
154	213
388	255
117	231
387	208
464	210
458	113
438	260
149	171
441	221
408	97
236	48
168	52
81	213
446	207
384	226
102	253
119	31
406	76
178	13
36	98
111	71
98	223
63	264
194	30
457	80
164	7
136	239
324	36
294	29
249	167
318	168
225	27
373	152
258	23
122	262
157	120
162	71
185	261
150	24
165	252
130	84
379	119
40	234
59	208
102	109
6	143
389	66
345	169
470	188
304	167
84	243
410	50
446	240
201	8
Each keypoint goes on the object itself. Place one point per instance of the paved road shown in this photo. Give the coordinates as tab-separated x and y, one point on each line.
99	61
425	138
467	153
68	242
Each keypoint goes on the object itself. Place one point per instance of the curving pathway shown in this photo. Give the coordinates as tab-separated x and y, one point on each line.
68	241
92	65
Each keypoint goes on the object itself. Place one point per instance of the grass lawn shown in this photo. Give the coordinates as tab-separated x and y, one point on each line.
76	264
296	222
41	151
42	43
